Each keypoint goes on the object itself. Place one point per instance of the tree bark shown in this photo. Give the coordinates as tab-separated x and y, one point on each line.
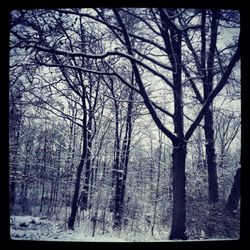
116	162
43	170
74	204
179	193
14	132
24	185
123	168
211	158
208	118
84	200
234	197
178	230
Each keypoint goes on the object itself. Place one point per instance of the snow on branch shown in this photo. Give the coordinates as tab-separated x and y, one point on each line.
78	68
102	56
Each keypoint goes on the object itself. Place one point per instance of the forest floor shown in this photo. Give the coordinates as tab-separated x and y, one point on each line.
40	228
214	223
36	228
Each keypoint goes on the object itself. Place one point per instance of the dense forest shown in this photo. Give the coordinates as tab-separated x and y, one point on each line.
125	123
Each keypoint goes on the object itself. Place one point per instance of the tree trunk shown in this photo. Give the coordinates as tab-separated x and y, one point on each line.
42	197
211	158
234	197
118	208
14	132
85	192
123	168
116	162
179	193
208	118
156	197
172	40
72	217
74	204
117	144
43	170
24	185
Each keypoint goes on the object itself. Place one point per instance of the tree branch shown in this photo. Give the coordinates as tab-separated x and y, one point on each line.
215	92
101	56
143	92
193	85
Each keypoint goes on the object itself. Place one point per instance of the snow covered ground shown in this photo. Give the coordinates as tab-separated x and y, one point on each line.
39	228
35	228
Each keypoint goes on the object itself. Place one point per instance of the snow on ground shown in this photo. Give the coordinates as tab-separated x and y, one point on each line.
39	228
32	228
35	228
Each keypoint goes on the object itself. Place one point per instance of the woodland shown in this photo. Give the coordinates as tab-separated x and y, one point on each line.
126	122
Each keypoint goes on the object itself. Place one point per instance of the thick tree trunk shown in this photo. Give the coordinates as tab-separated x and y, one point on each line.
211	158
172	40
234	197
179	193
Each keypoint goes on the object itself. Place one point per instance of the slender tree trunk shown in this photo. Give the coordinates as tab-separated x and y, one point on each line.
24	186
12	190
151	164
14	132
117	145
211	158
157	183
86	195
57	181
43	170
116	162
118	203
85	192
72	217
200	157
208	118
234	197
43	188
74	204
123	168
52	179
93	181
42	198
24	199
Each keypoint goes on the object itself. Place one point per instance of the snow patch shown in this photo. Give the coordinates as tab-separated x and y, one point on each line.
37	228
